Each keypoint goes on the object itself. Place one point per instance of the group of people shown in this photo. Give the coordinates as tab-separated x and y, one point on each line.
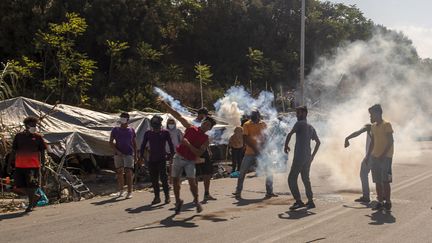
188	154
254	139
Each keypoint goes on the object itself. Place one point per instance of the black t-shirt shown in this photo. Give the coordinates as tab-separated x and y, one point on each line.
26	147
27	142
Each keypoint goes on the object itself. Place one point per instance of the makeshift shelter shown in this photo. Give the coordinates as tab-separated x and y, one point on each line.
70	130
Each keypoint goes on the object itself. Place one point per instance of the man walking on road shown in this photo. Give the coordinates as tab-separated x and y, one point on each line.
381	156
302	157
125	153
29	150
194	144
253	132
158	138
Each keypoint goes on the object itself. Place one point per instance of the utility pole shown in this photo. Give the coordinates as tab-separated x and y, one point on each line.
302	52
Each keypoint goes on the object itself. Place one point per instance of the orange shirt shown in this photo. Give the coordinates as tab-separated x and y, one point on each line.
255	131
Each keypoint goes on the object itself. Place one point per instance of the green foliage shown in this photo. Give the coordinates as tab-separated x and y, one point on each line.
109	54
115	48
147	53
73	70
203	73
262	69
5	90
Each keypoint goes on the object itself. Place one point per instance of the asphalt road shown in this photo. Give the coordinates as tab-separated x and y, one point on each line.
336	219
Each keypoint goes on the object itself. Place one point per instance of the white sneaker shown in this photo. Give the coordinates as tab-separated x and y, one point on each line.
118	194
129	195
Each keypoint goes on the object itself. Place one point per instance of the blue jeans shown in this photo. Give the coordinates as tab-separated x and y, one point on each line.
245	165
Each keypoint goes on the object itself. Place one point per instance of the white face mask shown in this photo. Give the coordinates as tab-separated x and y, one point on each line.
171	126
123	120
32	130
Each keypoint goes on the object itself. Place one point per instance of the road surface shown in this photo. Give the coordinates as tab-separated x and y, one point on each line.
336	219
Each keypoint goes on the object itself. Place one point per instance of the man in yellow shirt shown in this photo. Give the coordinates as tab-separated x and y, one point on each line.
381	155
253	135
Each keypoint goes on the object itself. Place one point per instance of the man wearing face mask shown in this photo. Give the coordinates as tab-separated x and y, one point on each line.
302	157
176	138
125	153
253	137
194	144
158	138
29	149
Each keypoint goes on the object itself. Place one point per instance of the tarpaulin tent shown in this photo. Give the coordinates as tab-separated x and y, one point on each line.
74	129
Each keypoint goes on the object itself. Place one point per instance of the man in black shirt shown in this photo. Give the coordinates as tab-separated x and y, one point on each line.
302	157
29	149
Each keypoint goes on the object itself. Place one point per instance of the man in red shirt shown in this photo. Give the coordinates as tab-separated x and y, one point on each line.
194	144
29	149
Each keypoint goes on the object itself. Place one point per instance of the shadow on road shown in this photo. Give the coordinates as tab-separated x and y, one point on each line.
144	208
381	217
298	214
12	215
244	202
170	222
107	201
319	239
365	206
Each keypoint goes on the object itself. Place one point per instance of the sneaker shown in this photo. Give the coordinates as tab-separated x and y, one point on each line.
156	200
129	195
237	195
199	208
270	195
178	207
310	204
388	205
118	194
362	199
208	197
378	206
297	205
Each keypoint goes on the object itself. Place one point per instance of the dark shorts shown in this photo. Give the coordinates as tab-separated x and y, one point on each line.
381	170
205	168
27	177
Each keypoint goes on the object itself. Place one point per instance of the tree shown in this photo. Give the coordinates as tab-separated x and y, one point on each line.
5	89
73	70
115	49
203	75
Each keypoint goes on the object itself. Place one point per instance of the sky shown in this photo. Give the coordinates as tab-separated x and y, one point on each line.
412	17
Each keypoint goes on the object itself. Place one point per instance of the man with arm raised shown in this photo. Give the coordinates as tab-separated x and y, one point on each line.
193	145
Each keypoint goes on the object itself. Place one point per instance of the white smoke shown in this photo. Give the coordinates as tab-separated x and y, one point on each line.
238	102
175	104
382	70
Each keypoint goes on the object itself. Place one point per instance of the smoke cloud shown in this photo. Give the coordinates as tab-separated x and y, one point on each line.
238	102
382	70
175	104
341	87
